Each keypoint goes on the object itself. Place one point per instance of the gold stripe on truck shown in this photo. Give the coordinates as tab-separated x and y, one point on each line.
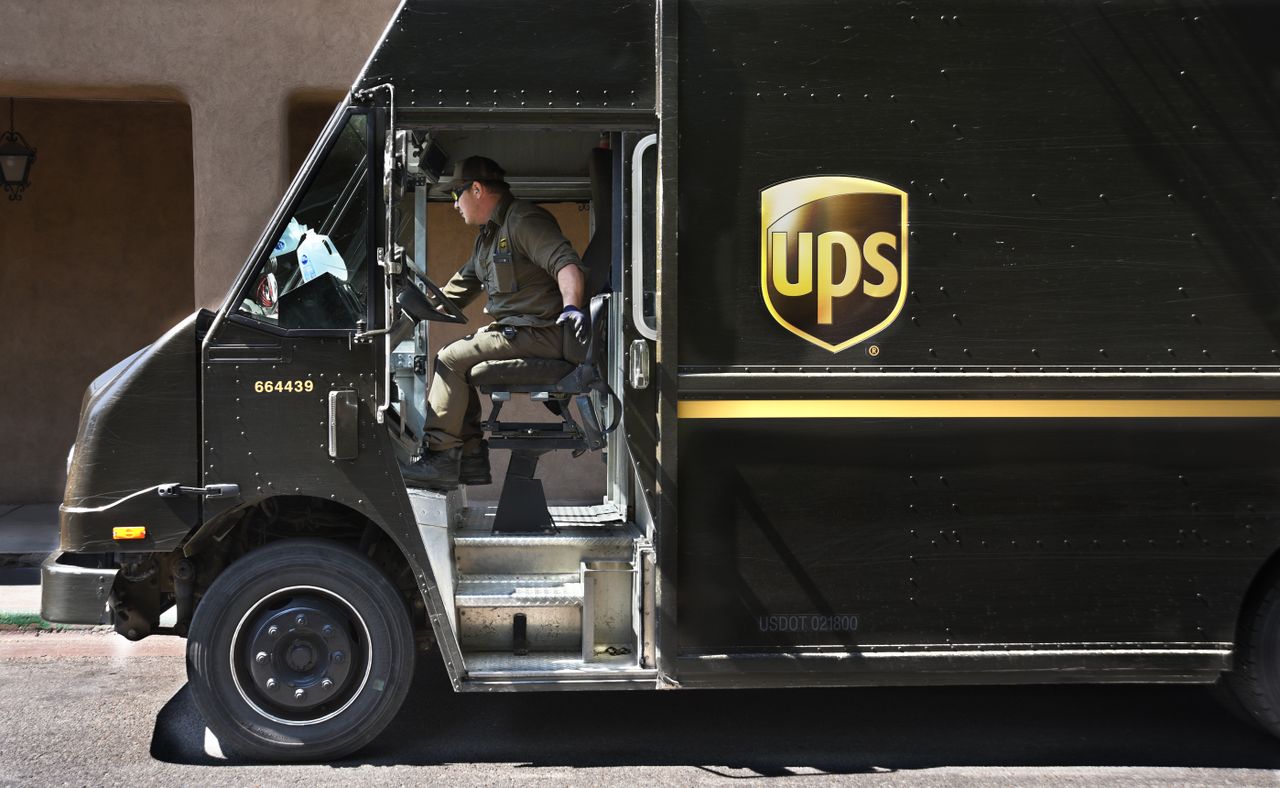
980	409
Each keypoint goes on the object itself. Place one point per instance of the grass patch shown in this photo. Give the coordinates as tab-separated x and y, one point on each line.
24	621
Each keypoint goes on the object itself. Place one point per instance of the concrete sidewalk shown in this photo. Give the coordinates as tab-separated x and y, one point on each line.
19	595
28	533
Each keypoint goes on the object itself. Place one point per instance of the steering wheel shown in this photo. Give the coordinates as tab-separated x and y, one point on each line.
431	305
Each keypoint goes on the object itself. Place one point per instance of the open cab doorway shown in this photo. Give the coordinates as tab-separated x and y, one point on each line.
550	576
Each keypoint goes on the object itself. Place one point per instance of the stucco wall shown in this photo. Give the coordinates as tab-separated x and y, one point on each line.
236	63
95	262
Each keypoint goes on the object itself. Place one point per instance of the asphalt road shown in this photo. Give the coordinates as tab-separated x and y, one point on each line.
86	709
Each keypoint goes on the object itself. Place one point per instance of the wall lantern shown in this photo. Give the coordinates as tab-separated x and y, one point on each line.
16	158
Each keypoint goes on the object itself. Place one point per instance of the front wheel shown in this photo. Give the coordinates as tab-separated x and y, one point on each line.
1255	680
301	650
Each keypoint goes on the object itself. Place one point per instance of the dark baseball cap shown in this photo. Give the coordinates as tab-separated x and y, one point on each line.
477	168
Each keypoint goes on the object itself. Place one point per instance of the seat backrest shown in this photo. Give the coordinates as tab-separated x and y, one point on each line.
578	352
598	256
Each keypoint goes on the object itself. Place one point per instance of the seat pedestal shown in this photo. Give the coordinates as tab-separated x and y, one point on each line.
523	505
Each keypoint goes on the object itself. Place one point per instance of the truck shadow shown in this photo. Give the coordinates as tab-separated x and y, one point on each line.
779	732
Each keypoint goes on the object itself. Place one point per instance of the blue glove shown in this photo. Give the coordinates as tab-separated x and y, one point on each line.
577	319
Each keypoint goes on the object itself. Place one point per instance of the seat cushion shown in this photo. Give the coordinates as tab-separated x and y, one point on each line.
520	372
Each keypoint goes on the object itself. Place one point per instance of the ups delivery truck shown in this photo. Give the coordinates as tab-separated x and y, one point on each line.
932	342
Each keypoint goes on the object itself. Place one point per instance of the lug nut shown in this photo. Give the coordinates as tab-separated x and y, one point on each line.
337	657
271	683
273	631
301	620
327	630
299	694
327	683
260	657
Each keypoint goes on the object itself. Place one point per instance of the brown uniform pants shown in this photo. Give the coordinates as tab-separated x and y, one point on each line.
453	407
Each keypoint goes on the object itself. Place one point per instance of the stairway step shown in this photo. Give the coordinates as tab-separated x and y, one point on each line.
482	517
500	666
523	581
587	536
555	590
484	553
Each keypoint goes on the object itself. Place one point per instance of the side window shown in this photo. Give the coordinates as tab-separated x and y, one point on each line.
316	276
644	238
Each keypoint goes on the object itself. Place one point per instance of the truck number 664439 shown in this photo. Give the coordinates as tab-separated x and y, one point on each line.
283	386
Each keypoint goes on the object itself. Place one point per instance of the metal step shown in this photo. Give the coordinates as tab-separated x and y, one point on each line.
488	605
557	666
482	517
483	553
519	590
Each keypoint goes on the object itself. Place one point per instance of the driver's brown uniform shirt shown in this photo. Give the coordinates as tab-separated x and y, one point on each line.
525	291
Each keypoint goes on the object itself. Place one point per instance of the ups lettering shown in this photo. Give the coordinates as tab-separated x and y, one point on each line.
833	257
829	288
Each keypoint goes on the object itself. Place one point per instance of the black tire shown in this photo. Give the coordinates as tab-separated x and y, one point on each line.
1228	697
1255	681
279	620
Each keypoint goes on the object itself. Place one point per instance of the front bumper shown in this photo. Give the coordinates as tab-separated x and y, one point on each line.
73	590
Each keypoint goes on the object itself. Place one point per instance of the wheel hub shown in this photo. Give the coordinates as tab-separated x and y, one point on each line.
302	657
298	654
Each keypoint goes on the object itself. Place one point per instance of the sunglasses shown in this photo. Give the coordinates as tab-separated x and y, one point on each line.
457	191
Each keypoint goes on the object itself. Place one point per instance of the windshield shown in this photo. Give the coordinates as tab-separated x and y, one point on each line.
314	277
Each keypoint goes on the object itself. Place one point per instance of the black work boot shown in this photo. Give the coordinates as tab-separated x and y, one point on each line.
475	466
435	469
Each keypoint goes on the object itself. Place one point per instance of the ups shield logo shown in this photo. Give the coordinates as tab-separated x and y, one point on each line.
833	257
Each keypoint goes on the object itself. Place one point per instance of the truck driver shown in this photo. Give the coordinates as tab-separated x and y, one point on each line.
534	281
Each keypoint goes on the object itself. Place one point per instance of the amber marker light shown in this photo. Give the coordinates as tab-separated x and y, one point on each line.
127	532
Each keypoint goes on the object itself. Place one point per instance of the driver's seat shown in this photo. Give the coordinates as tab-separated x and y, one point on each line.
563	384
